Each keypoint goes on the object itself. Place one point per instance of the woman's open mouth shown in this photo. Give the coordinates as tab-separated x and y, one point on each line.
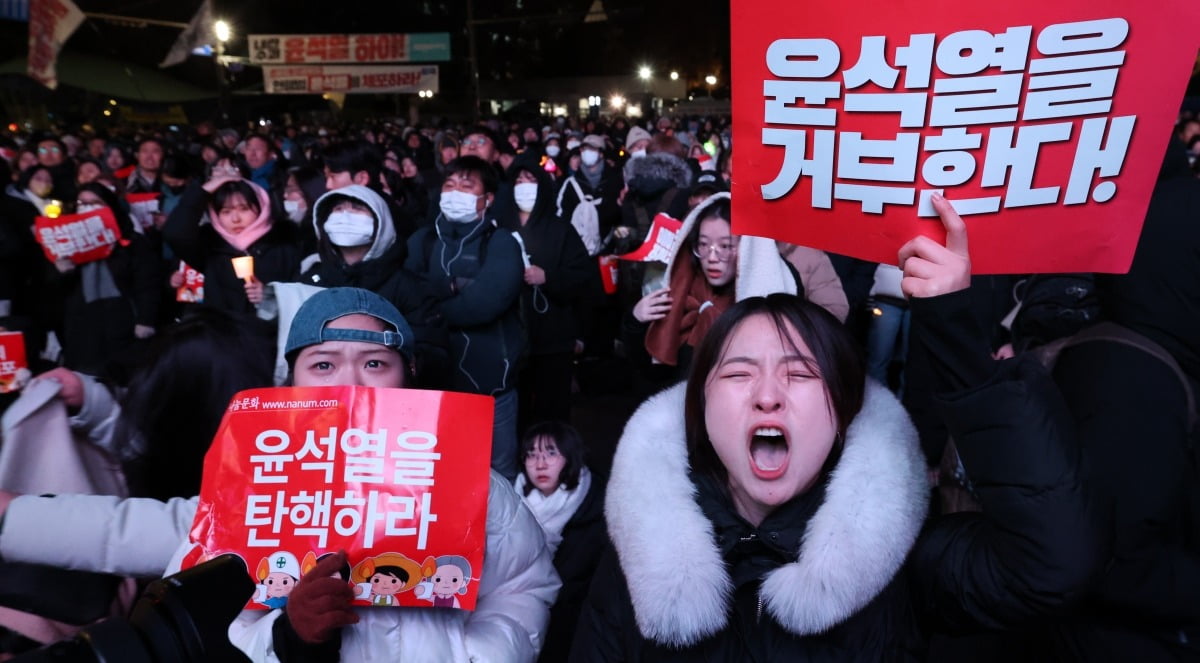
768	452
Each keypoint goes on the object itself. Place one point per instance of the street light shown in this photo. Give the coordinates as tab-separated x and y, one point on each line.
710	79
617	101
674	75
644	73
222	32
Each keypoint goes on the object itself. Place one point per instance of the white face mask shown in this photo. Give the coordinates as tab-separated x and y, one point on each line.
294	211
526	195
349	229
459	206
84	209
552	151
637	154
572	144
589	157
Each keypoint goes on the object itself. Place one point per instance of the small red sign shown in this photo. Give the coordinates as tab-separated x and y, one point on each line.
81	238
12	360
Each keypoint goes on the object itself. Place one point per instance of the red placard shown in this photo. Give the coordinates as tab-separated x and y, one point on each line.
142	208
12	360
397	478
1044	123
191	291
660	240
82	238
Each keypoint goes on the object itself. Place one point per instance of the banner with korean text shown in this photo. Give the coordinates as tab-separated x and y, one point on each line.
397	478
349	49
322	79
81	238
51	24
1044	124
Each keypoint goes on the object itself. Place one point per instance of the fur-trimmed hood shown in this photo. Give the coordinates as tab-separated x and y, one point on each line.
761	271
853	546
660	165
385	229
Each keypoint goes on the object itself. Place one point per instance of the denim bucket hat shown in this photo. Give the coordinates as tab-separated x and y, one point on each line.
308	326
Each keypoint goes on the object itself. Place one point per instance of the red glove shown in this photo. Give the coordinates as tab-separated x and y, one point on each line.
320	604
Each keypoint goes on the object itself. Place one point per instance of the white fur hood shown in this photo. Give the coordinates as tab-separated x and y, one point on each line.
852	548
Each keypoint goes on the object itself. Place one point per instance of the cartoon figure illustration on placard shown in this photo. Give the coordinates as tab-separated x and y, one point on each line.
378	580
446	578
277	577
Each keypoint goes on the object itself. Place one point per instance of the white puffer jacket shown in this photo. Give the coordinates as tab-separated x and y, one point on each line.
141	537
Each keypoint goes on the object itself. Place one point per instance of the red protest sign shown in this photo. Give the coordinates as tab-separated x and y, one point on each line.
142	208
1044	123
396	477
191	289
12	360
82	238
659	241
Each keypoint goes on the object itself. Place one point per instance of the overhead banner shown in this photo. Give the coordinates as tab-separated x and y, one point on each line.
397	478
349	49
350	79
1044	124
51	24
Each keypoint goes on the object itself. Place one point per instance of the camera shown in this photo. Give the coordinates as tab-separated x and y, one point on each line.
182	618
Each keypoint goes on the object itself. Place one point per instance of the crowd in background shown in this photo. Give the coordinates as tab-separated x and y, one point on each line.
475	233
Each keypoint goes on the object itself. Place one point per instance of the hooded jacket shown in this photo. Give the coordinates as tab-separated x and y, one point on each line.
276	254
848	572
552	244
760	271
658	183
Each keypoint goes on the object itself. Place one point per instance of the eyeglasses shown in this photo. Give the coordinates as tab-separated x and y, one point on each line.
49	150
722	251
480	140
547	455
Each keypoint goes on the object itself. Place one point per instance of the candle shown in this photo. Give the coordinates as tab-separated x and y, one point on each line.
243	266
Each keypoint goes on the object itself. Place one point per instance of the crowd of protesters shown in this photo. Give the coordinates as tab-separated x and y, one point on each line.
1066	518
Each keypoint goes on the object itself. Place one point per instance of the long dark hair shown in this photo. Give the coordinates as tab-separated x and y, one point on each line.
178	395
835	357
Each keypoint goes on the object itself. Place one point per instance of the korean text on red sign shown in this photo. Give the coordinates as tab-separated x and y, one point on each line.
12	360
1044	124
398	478
80	238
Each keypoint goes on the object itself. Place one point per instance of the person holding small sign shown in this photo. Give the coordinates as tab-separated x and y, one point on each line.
774	506
242	223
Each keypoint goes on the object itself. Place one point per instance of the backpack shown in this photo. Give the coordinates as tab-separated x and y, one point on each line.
586	217
1053	306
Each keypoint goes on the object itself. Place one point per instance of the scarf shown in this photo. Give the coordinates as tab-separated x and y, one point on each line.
697	306
553	511
97	281
592	175
253	232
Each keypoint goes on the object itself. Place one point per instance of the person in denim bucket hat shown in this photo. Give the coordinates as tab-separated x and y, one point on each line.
311	324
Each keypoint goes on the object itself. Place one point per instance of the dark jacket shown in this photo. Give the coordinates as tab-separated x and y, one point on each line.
553	245
845	571
584	541
95	331
658	183
276	254
475	273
